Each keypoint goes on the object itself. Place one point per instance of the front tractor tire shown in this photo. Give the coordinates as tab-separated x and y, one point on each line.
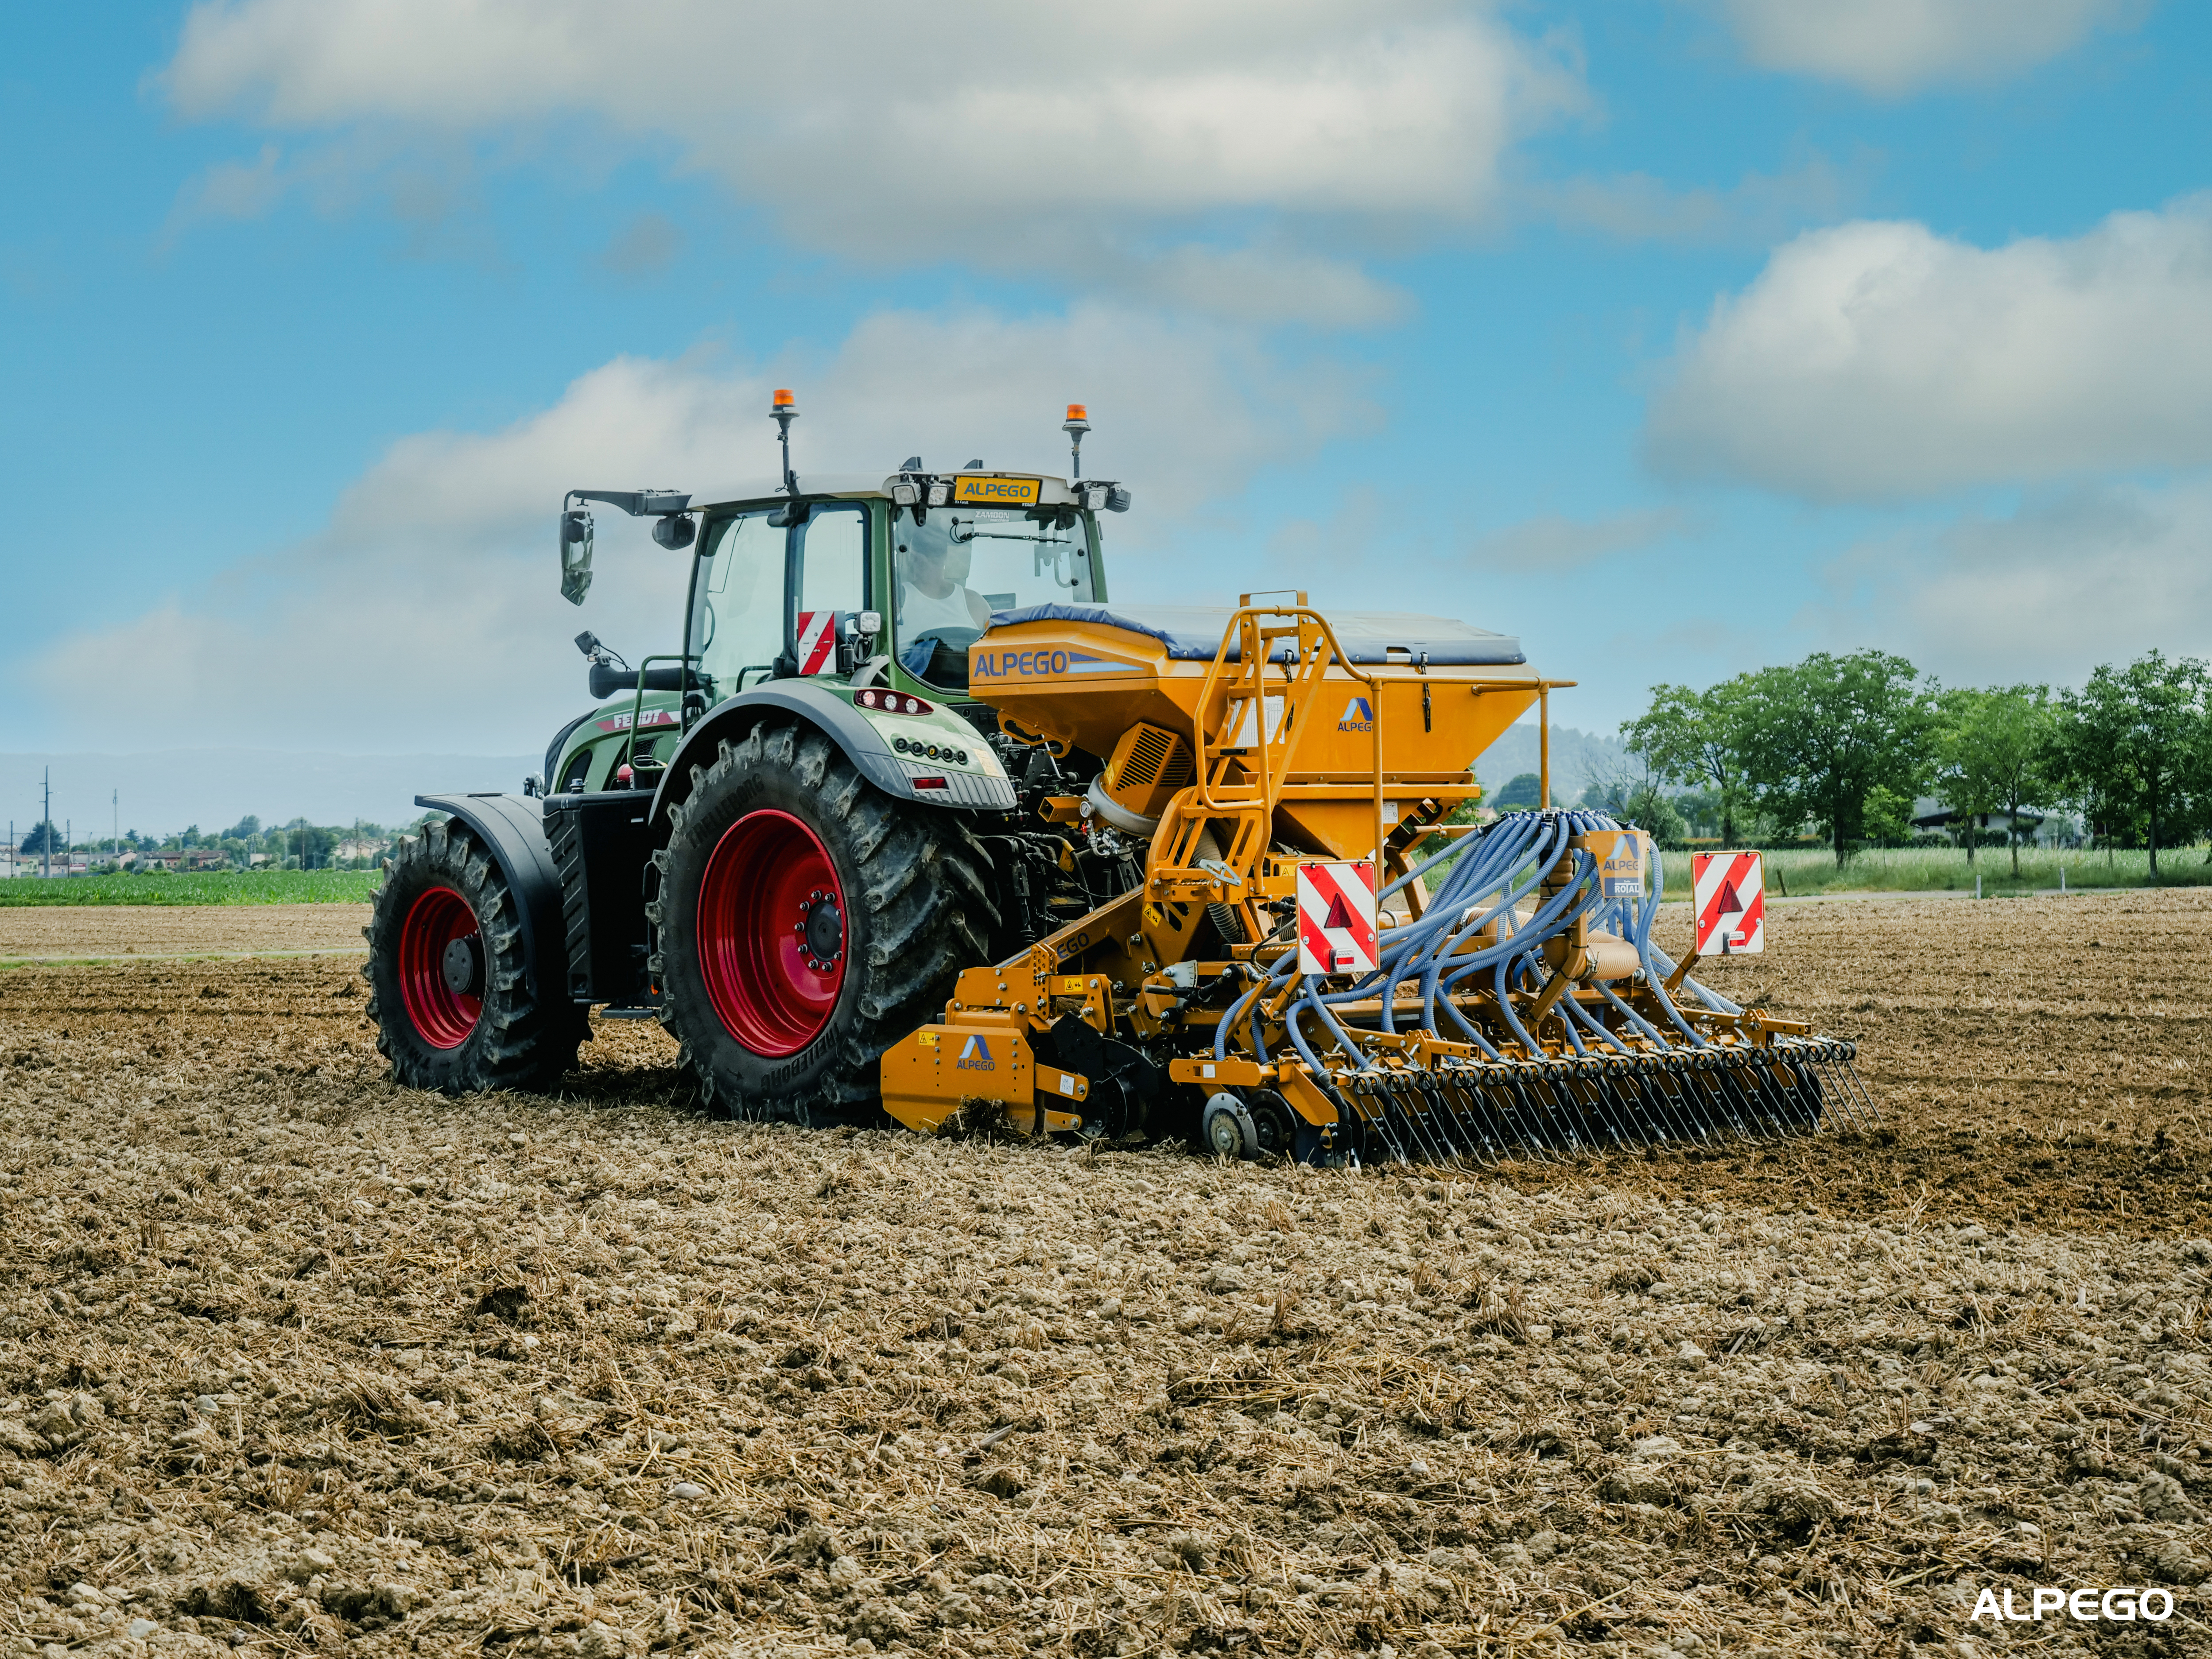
806	921
447	991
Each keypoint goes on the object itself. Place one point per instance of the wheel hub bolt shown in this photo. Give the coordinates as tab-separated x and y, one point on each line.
820	932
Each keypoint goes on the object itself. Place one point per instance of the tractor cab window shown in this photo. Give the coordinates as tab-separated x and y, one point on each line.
829	565
737	601
955	566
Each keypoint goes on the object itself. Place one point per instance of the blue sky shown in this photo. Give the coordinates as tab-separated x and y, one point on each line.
1676	336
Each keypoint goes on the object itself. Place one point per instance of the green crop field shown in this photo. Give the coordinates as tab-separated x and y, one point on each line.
203	887
1800	873
1793	874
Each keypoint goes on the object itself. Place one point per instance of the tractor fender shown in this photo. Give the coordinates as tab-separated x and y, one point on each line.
513	829
829	713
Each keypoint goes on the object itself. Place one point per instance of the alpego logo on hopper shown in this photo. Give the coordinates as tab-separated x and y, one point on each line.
2087	1604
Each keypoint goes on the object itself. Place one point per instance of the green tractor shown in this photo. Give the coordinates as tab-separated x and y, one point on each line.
784	839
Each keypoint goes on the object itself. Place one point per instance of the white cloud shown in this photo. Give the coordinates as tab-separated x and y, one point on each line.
238	189
1890	47
1552	543
645	247
425	615
1755	211
1878	360
2091	576
1015	135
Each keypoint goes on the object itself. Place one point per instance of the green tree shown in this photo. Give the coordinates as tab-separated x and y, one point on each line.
45	836
1992	752
1637	800
1521	792
1887	816
2132	745
1696	738
1820	736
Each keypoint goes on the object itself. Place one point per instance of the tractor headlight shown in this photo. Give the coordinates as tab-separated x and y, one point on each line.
941	495
904	494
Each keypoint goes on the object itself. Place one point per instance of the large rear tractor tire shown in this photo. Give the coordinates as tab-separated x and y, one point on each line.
806	921
447	990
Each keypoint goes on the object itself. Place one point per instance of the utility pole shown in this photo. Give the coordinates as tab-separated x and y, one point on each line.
115	845
47	835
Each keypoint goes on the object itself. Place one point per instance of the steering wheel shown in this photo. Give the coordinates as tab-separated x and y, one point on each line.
940	656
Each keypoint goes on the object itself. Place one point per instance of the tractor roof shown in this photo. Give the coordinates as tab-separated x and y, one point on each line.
765	487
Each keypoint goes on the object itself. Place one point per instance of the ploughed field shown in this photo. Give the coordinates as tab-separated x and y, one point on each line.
291	1360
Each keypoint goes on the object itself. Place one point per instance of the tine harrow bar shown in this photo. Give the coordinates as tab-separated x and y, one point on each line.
1521	1013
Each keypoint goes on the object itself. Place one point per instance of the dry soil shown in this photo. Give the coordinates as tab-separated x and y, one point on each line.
292	1359
39	932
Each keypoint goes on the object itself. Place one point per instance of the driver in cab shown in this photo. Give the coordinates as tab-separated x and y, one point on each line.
933	592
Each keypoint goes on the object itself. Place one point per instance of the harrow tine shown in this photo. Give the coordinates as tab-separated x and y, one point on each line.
1443	1116
1685	1080
1378	1085
1850	1053
1518	1108
1439	1124
1741	1114
1734	1111
1422	1124
1543	1090
1621	1085
1669	1110
1455	1107
1398	1123
1582	1104
1819	1081
1491	1096
1490	1093
1854	1090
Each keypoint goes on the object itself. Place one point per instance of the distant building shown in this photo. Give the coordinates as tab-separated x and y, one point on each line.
182	858
1929	812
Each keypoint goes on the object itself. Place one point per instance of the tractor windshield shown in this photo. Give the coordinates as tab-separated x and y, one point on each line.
737	601
955	566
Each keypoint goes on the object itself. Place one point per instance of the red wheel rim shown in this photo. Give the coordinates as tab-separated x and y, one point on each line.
441	1016
771	924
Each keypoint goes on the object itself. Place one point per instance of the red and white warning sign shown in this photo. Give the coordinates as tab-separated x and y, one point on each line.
1730	891
818	641
1336	918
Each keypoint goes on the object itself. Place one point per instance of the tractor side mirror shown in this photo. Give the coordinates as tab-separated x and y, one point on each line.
575	555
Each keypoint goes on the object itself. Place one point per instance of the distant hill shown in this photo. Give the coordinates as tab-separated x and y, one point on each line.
165	791
1576	758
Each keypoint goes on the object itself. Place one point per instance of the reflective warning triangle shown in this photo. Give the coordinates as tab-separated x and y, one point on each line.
1340	915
